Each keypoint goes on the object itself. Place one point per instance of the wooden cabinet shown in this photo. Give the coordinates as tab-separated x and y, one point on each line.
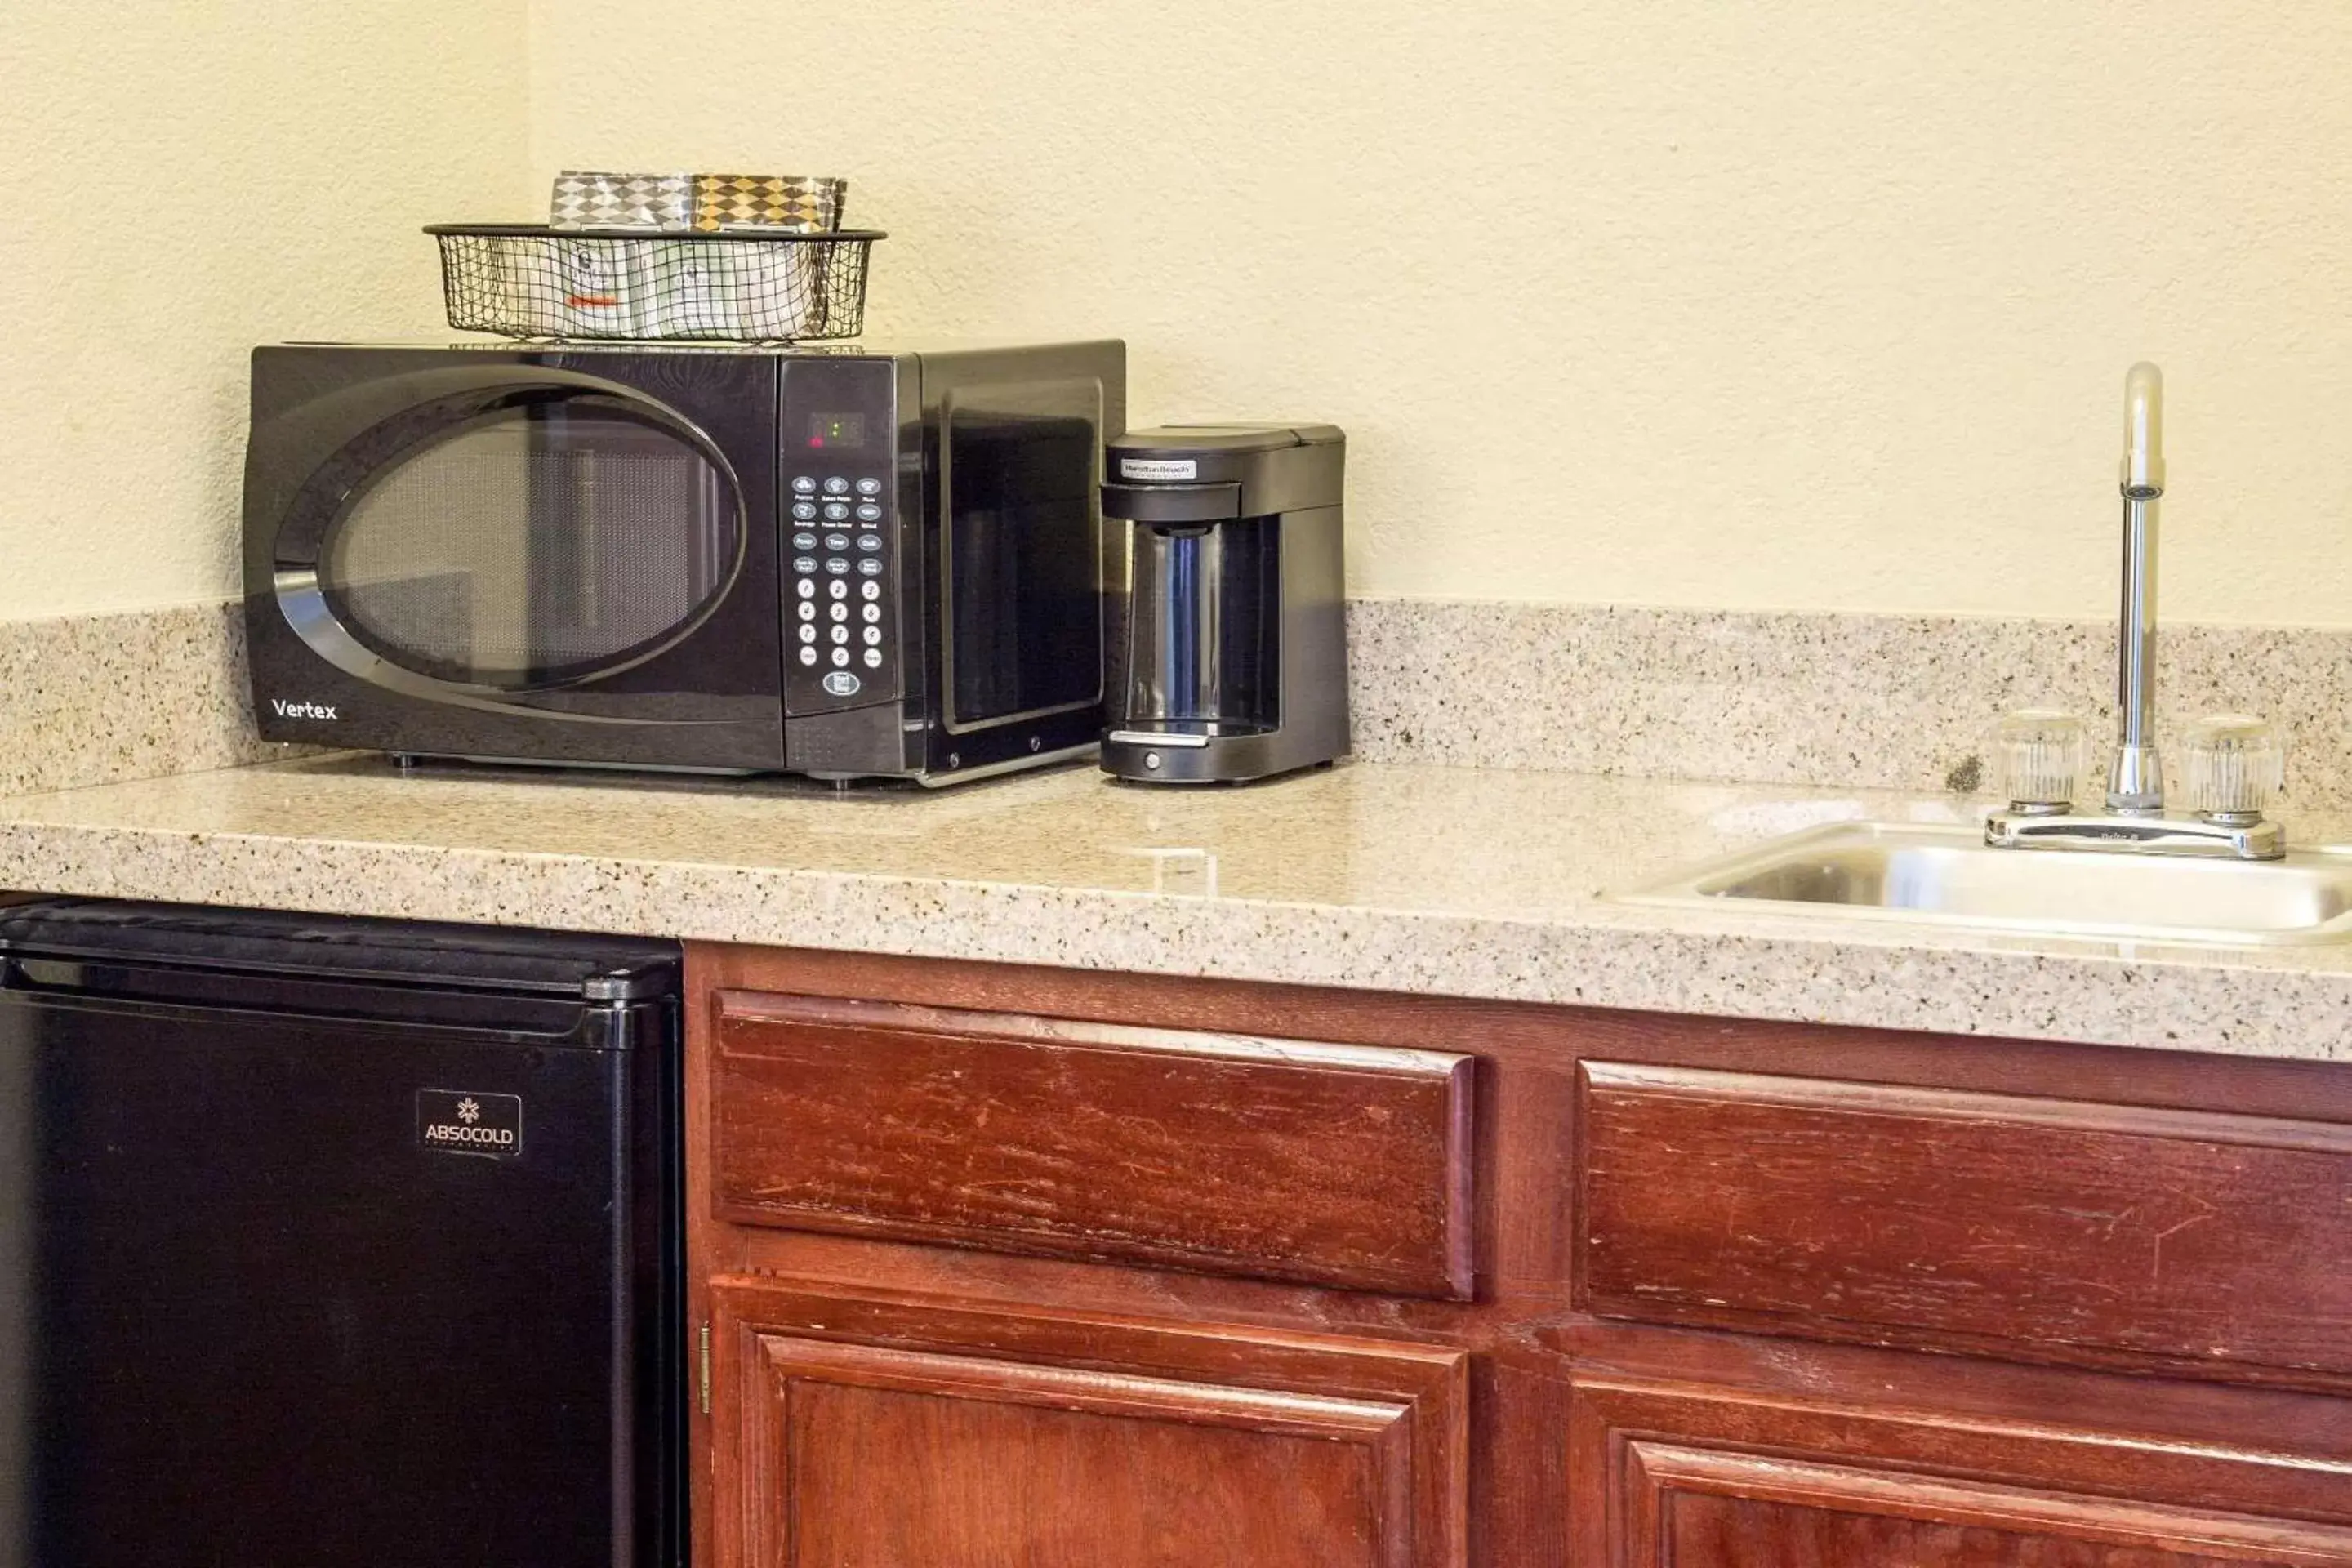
859	1429
1014	1268
2021	1225
1711	1453
1232	1154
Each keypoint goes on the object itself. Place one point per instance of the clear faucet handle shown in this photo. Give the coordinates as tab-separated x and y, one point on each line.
2235	764
2039	752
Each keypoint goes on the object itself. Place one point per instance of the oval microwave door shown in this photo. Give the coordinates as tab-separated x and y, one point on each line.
535	541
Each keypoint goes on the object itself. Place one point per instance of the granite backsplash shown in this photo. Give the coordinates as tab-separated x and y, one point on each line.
1841	700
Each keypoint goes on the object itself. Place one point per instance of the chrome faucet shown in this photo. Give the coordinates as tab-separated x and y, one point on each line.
2136	782
2234	759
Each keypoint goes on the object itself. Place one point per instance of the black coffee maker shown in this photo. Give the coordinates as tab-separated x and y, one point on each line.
1236	663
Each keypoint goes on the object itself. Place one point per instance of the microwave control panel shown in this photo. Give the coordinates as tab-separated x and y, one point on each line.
838	440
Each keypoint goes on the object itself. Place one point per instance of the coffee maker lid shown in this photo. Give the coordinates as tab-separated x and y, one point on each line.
1201	473
1191	440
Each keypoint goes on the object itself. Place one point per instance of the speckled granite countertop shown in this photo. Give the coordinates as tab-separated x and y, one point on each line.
1457	881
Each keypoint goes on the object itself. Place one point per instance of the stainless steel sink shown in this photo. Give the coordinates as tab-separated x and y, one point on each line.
1949	876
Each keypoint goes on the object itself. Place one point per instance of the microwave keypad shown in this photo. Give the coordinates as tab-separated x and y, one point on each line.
839	557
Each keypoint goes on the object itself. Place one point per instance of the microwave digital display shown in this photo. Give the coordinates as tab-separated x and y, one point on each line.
836	430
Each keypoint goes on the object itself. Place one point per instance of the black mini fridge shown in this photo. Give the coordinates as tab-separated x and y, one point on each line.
336	1242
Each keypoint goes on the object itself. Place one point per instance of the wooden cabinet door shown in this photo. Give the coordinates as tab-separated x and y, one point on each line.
1330	1165
2019	1225
866	1431
1826	1462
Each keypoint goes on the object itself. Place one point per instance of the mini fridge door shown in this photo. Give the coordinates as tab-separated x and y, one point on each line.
281	1290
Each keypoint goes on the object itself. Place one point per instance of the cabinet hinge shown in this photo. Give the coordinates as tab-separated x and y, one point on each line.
706	1369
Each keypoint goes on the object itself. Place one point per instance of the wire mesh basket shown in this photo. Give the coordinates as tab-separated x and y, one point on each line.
524	280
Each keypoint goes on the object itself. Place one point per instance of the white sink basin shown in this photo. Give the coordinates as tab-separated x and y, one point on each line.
1949	876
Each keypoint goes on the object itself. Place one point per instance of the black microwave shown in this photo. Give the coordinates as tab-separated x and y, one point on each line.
837	561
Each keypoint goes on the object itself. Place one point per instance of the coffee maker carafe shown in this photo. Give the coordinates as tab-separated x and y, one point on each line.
1237	662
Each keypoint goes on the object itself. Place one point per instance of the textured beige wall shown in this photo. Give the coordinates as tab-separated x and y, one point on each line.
187	178
1816	303
1809	305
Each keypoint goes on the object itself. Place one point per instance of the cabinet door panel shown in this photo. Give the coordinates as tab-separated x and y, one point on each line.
1692	1475
1696	1509
1969	1221
992	1473
1723	1532
1332	1164
863	1430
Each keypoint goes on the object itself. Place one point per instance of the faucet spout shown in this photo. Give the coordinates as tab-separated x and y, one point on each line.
2143	477
2136	782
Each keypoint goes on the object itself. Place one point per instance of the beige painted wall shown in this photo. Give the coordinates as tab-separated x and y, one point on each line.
1814	303
1822	304
187	178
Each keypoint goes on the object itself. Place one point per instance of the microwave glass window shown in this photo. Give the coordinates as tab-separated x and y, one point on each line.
539	545
1024	551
